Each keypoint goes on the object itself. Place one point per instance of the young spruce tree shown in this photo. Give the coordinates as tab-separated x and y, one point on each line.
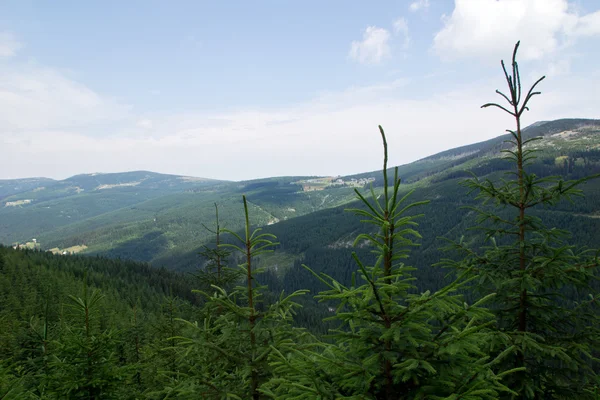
84	365
544	308
227	354
394	343
215	271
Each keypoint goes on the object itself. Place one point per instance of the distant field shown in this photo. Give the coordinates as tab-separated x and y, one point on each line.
17	203
69	250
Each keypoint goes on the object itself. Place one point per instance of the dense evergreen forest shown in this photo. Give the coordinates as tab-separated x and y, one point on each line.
509	309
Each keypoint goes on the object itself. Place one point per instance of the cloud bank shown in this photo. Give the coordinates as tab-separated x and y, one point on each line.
53	125
486	28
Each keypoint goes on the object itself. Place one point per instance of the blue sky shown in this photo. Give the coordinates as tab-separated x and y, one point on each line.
240	90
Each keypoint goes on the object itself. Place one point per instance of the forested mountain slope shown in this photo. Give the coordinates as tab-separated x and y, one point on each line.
146	216
568	148
56	310
560	138
10	187
160	218
30	213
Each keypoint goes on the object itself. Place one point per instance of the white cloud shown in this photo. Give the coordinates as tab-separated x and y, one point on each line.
336	133
588	25
562	67
401	28
9	45
35	98
145	123
487	28
419	5
374	47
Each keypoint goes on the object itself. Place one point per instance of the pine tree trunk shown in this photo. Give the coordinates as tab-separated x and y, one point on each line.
522	201
251	319
218	254
387	271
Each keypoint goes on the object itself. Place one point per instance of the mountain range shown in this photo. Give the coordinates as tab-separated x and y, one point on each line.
165	219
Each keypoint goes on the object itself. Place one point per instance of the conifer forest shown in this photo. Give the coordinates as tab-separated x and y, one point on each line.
504	306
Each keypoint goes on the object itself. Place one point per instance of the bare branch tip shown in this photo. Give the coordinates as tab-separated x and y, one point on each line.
515	51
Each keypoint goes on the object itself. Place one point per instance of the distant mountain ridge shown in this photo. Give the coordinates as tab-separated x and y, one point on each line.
9	187
98	181
539	128
491	148
159	218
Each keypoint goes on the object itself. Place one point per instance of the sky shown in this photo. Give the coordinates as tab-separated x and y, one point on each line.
248	89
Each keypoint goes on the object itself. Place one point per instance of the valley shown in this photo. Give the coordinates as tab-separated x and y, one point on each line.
160	219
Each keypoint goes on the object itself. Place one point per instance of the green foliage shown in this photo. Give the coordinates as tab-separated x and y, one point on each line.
49	351
227	354
12	382
394	343
84	363
542	308
158	219
215	271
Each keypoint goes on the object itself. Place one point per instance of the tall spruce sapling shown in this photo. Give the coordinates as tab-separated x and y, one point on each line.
227	353
37	347
394	343
135	332
216	271
161	367
84	365
542	282
252	245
